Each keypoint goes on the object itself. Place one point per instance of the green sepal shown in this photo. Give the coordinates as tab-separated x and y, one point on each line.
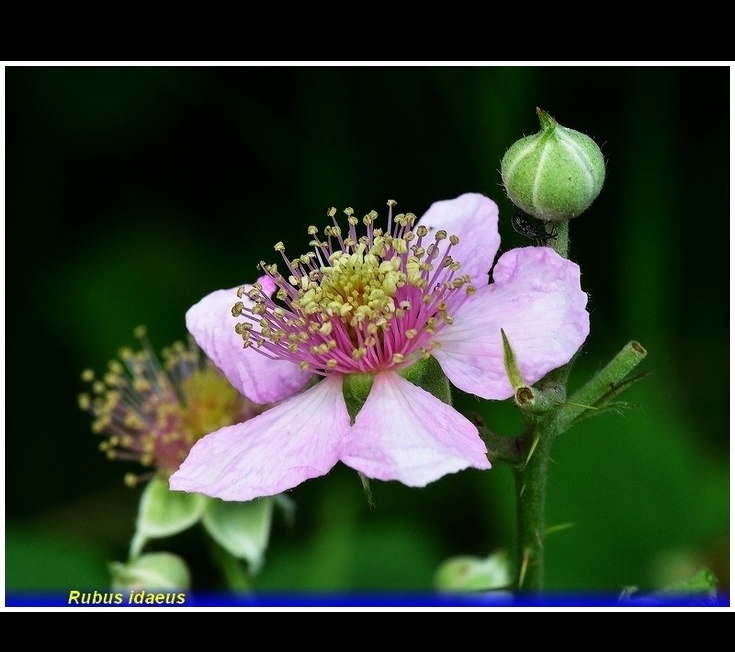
242	529
355	389
426	373
467	573
155	570
287	507
163	513
511	364
529	399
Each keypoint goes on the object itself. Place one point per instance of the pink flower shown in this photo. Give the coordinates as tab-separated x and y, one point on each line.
369	307
152	412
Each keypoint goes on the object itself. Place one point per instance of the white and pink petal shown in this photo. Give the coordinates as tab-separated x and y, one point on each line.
296	440
405	433
473	218
259	378
537	299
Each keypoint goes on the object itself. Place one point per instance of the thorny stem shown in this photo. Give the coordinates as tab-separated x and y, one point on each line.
531	479
530	453
547	415
531	513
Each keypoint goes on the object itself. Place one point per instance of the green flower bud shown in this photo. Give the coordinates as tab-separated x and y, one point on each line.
154	570
554	174
467	573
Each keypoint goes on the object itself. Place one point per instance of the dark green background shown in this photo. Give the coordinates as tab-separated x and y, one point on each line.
133	191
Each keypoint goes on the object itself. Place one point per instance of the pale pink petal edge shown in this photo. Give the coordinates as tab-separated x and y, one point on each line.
405	433
257	377
294	441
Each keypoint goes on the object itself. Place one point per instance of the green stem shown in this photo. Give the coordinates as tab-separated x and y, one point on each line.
235	575
560	243
531	477
531	509
543	428
605	385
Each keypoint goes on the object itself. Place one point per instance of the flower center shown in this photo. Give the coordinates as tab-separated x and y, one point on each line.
153	413
357	304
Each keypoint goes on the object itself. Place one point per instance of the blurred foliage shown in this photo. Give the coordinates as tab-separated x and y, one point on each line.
133	191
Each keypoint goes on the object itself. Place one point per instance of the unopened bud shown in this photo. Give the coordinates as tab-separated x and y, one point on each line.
554	174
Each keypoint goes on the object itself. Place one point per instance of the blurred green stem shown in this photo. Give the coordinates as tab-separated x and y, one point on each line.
236	577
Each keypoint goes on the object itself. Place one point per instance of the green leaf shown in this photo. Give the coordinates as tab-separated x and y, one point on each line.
704	582
163	513
242	529
698	590
156	570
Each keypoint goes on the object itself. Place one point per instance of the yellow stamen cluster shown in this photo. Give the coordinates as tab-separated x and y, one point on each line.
357	304
153	413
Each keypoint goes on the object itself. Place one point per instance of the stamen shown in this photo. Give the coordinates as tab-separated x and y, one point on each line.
153	412
358	303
